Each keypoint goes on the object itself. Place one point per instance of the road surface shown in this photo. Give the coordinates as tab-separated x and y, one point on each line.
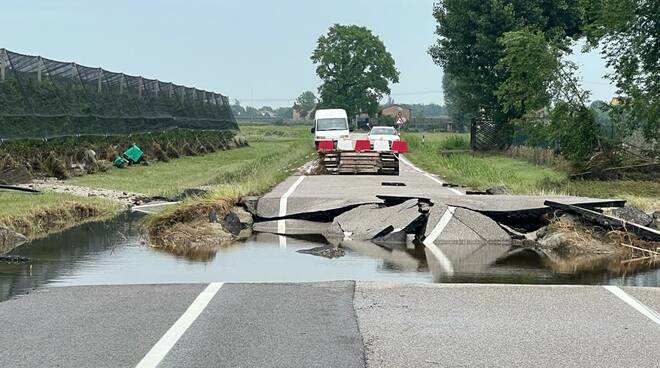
337	324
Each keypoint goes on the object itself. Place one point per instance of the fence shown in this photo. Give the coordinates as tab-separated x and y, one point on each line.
43	98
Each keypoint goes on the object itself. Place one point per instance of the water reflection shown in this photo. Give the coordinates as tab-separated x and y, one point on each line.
112	253
64	253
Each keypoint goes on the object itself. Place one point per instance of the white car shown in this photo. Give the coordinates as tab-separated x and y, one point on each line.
383	133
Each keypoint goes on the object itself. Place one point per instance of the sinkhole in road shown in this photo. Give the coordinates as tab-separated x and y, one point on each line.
112	252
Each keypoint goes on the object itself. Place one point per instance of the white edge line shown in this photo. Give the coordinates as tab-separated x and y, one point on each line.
281	224
636	304
170	338
445	263
430	176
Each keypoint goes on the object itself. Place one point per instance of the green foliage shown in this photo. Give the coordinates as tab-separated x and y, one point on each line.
532	64
628	32
305	103
577	131
355	68
469	50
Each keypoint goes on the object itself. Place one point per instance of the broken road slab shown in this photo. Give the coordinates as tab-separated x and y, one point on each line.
373	221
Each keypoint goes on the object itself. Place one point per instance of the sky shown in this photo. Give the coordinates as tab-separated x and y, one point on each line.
255	51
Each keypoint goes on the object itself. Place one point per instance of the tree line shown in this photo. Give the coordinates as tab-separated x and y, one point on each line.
506	60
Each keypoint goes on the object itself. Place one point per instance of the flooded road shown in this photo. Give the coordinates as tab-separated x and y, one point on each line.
113	253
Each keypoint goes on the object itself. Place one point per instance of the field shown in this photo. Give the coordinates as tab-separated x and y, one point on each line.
482	171
274	153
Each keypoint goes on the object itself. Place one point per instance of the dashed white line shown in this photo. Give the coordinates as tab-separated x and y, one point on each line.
636	304
281	224
430	176
445	263
167	342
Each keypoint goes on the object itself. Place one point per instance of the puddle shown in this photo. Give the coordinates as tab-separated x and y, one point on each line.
112	253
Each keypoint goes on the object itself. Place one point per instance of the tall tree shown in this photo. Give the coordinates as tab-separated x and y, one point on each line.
467	47
305	103
355	67
540	80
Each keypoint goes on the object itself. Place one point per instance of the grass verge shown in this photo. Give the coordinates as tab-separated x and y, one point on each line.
36	216
518	176
184	228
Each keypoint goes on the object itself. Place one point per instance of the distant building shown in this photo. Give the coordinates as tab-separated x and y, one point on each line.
616	101
393	110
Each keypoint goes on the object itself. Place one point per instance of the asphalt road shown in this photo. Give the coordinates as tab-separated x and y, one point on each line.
338	324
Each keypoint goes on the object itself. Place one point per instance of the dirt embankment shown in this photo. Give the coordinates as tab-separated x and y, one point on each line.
16	230
572	244
197	231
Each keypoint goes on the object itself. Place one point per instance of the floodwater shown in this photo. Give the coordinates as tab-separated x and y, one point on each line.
113	253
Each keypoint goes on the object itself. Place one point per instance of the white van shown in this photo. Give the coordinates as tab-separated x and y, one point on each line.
330	124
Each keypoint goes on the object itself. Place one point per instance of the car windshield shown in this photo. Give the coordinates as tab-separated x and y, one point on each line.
331	124
383	131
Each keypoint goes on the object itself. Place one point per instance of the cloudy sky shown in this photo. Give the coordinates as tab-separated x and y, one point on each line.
254	50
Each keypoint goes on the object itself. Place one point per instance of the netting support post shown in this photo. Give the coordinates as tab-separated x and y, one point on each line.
122	81
140	86
171	90
40	65
2	70
100	79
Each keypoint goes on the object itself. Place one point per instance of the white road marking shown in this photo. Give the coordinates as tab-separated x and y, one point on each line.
141	208
281	224
445	263
405	161
639	306
167	342
430	176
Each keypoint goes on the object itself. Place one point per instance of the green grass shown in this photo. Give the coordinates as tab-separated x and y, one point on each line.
262	133
172	177
267	143
482	171
271	160
38	215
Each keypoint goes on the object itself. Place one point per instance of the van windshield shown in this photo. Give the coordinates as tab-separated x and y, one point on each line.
331	124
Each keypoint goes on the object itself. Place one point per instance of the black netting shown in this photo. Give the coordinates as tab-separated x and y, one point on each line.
44	98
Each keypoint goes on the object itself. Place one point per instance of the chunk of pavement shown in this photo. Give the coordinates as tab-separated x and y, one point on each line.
467	226
497	190
372	220
632	214
10	239
552	241
236	220
250	204
325	251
